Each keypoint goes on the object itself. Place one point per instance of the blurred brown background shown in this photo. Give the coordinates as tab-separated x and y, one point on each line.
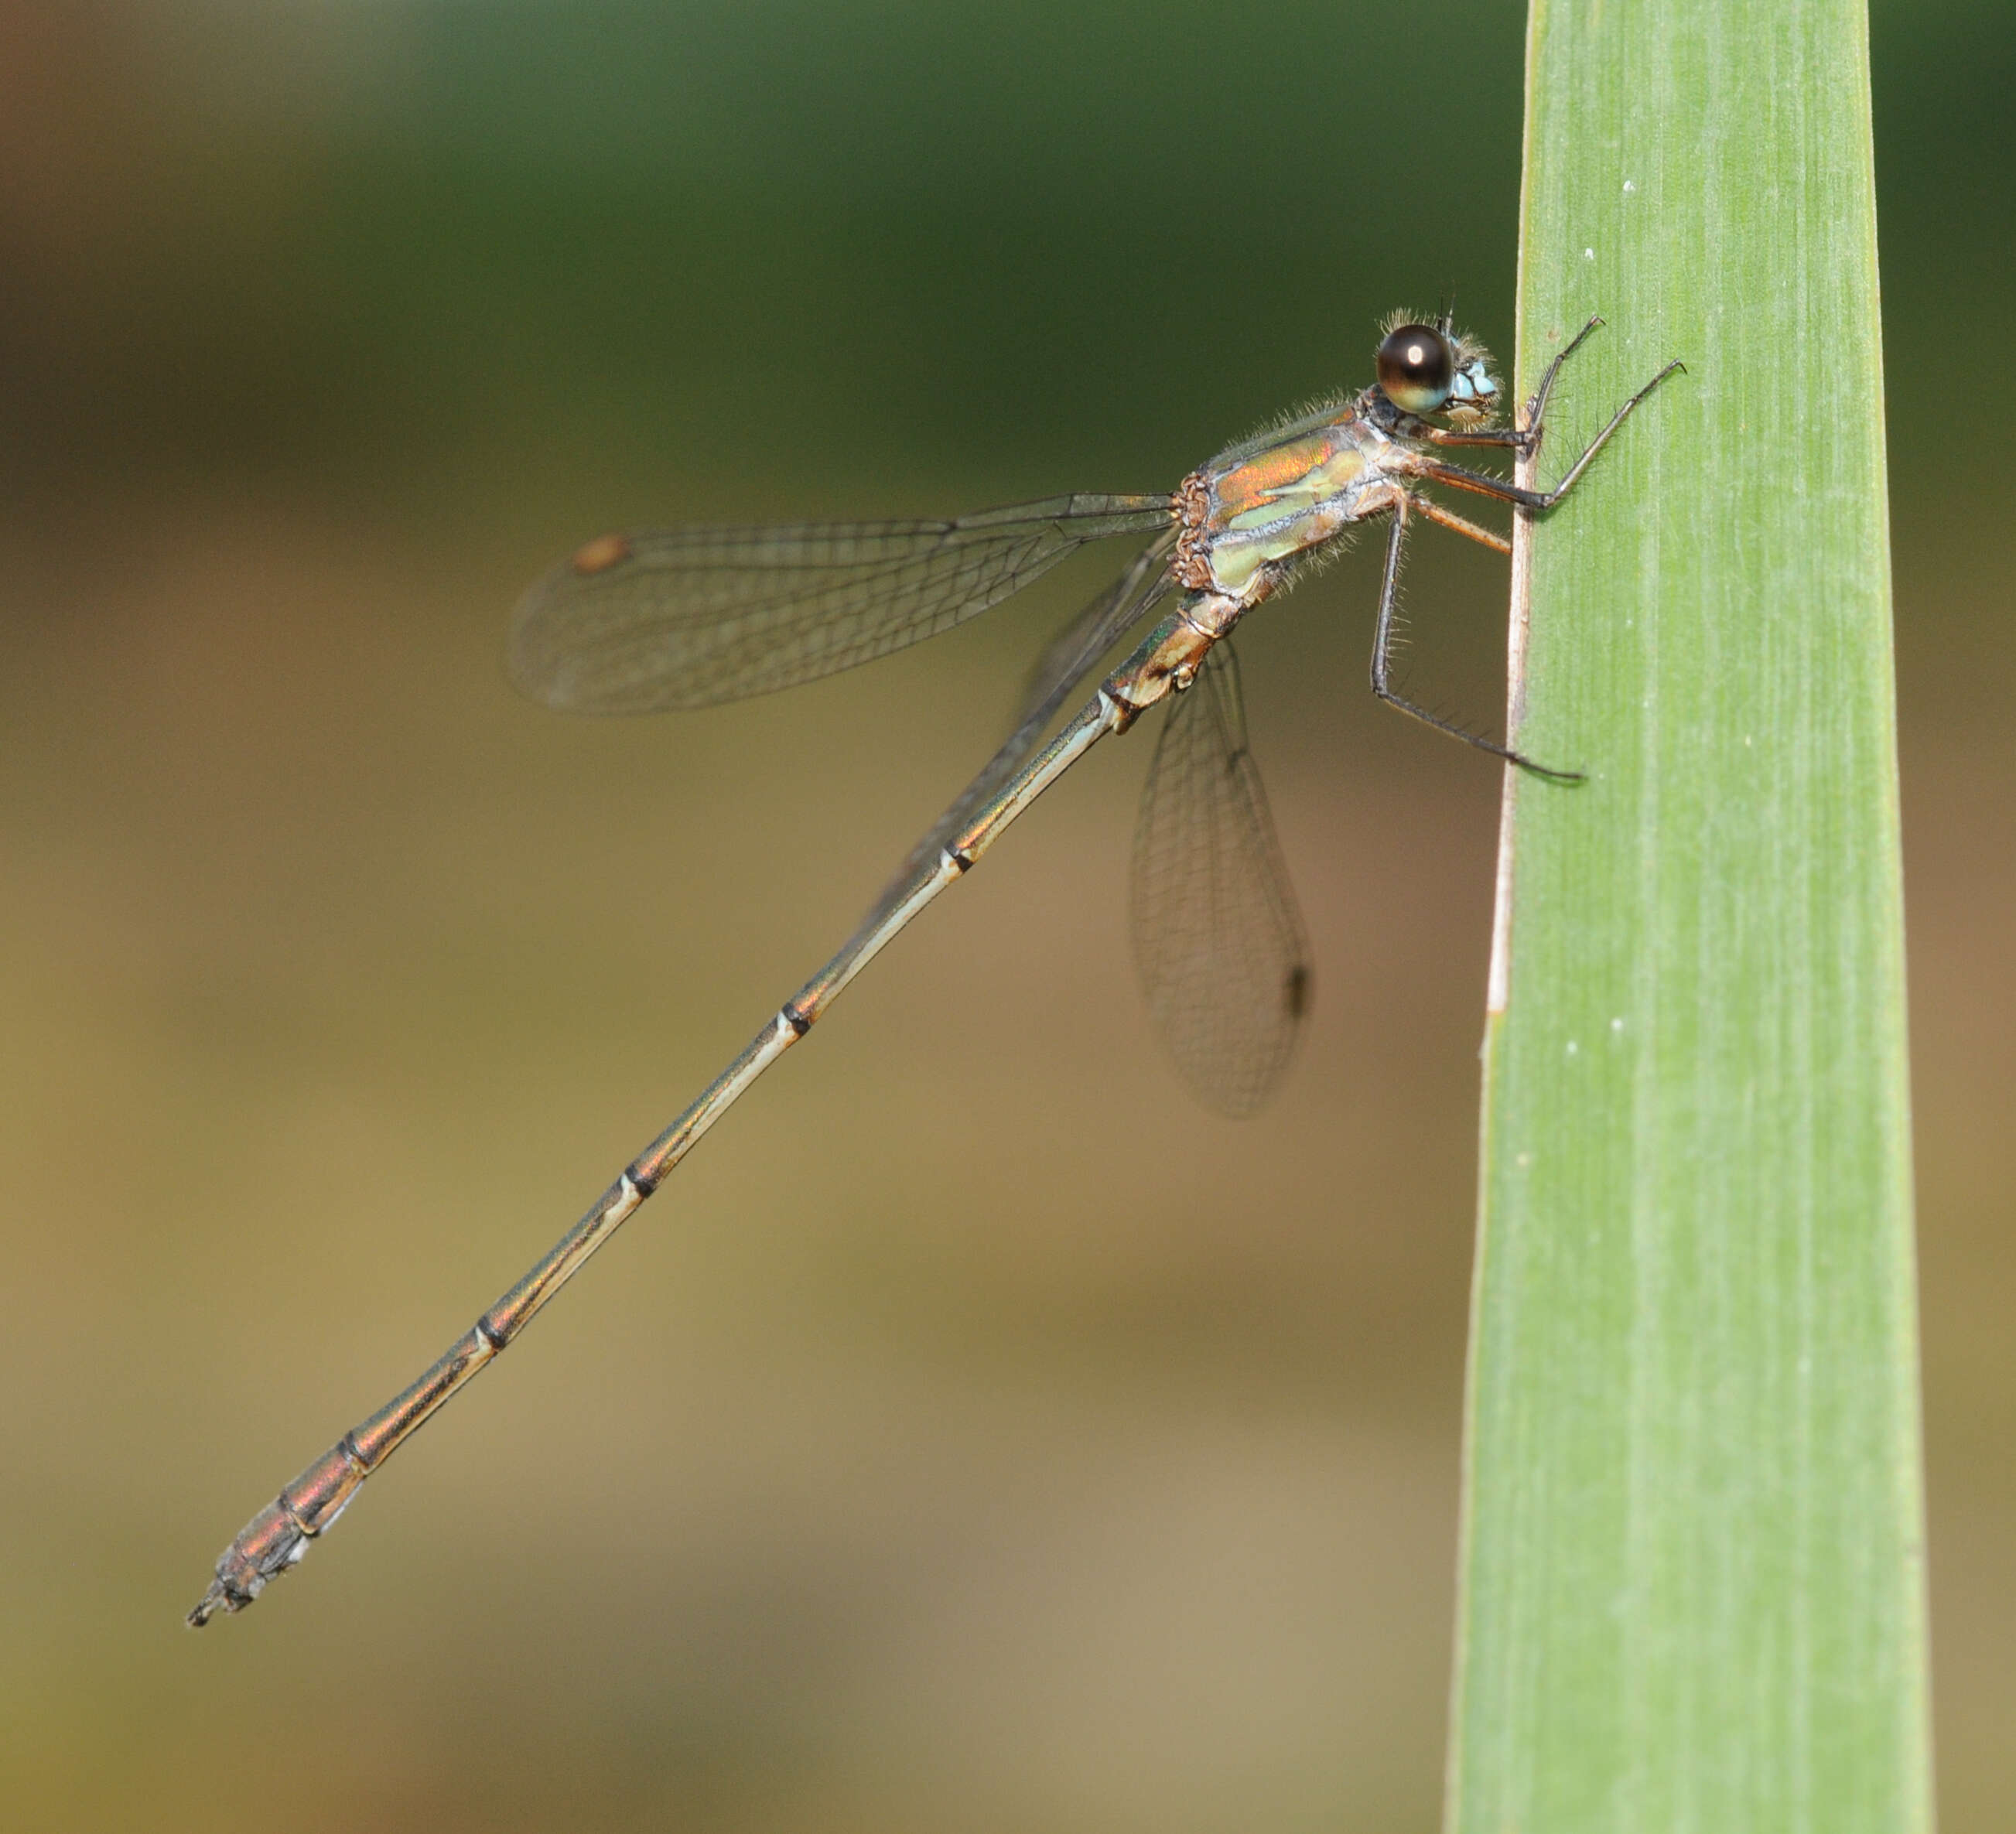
974	1435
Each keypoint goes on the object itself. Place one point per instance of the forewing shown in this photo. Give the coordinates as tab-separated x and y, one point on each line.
1223	958
677	618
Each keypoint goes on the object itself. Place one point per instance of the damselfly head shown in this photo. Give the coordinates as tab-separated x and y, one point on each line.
1436	369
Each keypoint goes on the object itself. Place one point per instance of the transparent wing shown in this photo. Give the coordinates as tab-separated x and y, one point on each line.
689	617
1072	656
1222	955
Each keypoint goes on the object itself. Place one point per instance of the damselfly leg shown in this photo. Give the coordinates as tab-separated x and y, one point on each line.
1525	439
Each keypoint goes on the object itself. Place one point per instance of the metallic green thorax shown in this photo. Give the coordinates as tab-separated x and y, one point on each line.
1258	507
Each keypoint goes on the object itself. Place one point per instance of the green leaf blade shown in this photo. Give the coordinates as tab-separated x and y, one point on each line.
1693	1571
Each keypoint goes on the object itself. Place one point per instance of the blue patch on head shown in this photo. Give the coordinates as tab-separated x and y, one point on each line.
1474	383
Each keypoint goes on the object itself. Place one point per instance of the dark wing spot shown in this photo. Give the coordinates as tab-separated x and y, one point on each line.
1295	991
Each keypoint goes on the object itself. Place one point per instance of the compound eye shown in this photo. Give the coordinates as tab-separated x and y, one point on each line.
1416	368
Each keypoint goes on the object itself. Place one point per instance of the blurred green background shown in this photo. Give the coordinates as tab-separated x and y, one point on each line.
973	1435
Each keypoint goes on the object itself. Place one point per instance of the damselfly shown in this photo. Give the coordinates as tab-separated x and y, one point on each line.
688	617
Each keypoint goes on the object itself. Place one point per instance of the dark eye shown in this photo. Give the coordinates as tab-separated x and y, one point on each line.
1416	368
